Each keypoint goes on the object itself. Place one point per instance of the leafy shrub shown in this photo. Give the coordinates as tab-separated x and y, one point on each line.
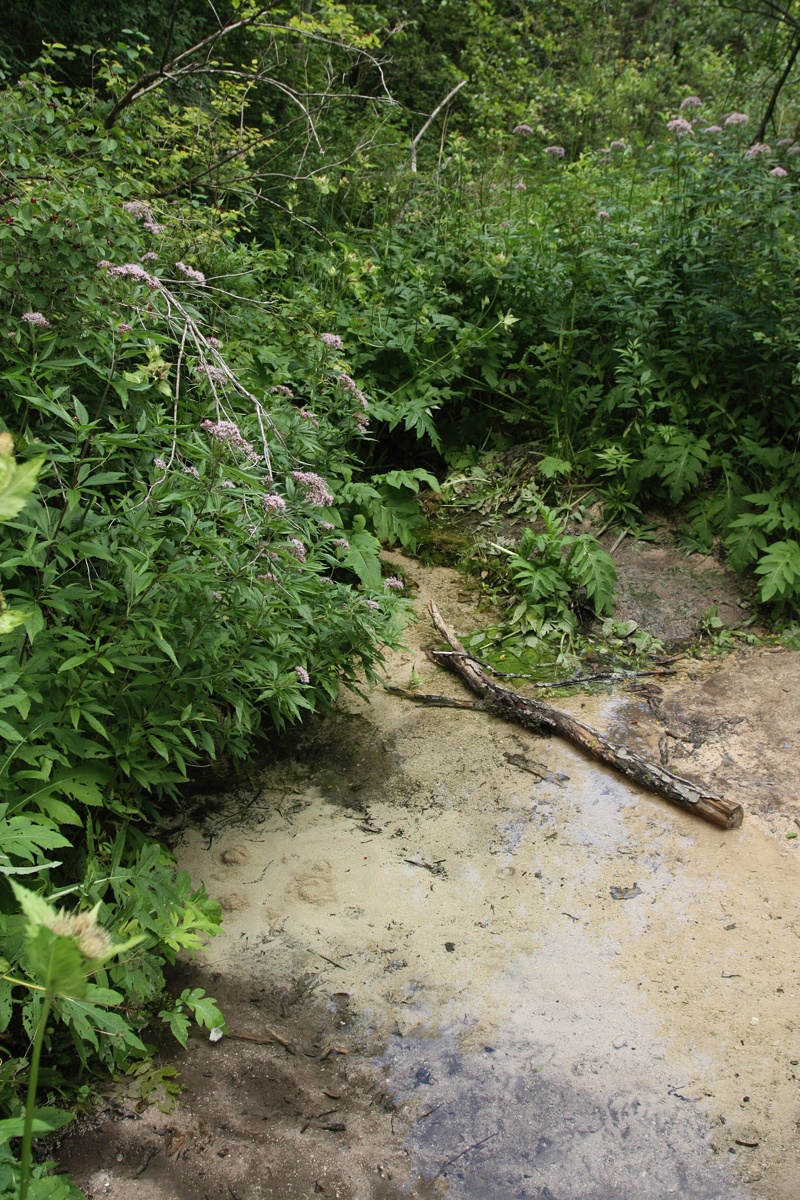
183	572
637	304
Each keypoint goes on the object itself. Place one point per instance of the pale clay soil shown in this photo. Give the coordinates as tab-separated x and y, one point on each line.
429	987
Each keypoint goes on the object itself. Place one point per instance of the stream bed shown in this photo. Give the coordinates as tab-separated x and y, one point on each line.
451	973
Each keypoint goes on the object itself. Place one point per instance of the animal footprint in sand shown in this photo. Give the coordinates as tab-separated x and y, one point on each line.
234	856
313	884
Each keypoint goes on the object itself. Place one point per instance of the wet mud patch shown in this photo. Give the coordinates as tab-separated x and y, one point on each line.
733	722
667	592
285	1106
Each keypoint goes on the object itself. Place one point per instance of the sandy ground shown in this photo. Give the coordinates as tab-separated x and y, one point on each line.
432	990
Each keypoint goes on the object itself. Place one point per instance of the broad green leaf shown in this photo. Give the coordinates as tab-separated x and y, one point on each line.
17	482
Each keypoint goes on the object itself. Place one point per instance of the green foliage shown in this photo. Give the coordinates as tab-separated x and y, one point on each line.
60	952
779	569
183	574
190	549
554	573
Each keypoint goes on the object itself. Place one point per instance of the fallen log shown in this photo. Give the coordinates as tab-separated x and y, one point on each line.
543	719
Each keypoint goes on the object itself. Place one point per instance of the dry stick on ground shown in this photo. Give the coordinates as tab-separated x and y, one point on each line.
541	718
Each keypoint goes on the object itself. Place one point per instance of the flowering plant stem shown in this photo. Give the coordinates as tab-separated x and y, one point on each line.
30	1101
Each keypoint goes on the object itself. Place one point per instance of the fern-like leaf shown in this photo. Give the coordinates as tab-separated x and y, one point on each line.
780	571
593	569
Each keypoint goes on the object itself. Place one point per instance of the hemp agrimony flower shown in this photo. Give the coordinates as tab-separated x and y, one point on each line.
218	374
273	502
131	271
142	212
736	118
35	318
190	272
332	341
227	433
316	489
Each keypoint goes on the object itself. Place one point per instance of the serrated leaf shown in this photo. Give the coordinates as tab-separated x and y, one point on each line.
362	559
17	482
780	568
179	1024
594	570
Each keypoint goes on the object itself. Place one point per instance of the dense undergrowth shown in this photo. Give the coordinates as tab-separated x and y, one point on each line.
234	358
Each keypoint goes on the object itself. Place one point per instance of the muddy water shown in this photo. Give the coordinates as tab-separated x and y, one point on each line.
537	1035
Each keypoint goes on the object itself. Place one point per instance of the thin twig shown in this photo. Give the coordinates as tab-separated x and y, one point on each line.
449	1162
434	114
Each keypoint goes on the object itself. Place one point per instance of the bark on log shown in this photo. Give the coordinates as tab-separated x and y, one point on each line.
542	718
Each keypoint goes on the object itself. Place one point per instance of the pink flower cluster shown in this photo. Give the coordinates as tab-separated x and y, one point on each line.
130	271
316	489
690	102
227	433
373	605
618	145
757	150
280	389
523	130
736	118
218	374
190	272
520	186
308	416
332	341
214	342
555	151
297	549
273	502
142	212
35	318
394	582
679	126
347	384
778	172
302	674
343	542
